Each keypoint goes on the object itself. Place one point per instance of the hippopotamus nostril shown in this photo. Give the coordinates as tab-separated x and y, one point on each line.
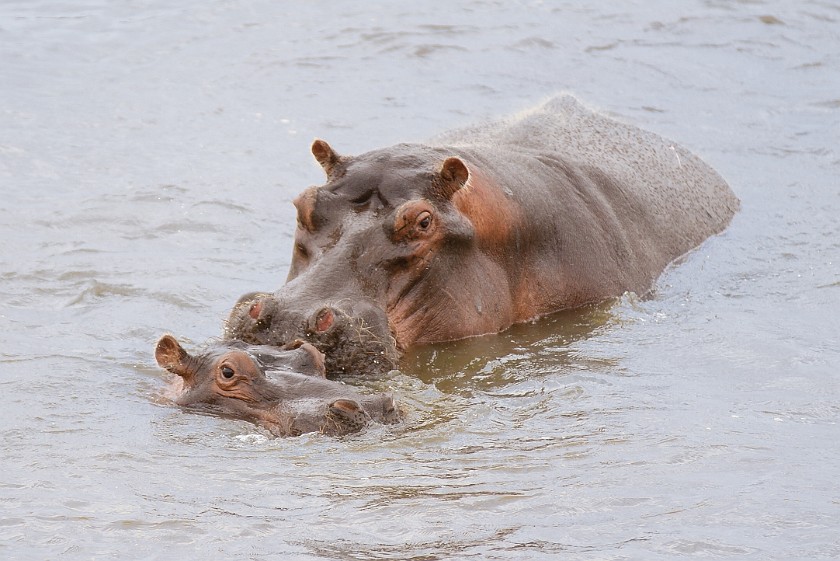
346	406
391	413
324	319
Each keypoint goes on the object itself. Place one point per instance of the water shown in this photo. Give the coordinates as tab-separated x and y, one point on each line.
148	156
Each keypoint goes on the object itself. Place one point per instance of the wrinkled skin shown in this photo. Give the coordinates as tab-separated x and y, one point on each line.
485	227
252	383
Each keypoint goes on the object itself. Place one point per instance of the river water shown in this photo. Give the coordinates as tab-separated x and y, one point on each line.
149	152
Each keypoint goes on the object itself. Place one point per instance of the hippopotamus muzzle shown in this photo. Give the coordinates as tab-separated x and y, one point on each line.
354	337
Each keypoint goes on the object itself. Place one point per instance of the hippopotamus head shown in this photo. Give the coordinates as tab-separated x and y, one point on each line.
253	383
374	250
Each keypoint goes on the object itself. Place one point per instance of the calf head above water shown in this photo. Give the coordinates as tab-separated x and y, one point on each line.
252	383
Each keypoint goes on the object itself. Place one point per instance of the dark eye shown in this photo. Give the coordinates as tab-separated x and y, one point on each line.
362	199
301	249
227	372
424	221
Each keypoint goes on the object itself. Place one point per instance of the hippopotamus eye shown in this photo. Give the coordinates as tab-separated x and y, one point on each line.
424	220
363	199
227	372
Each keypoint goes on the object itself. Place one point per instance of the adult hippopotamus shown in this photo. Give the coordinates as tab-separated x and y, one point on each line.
484	227
252	383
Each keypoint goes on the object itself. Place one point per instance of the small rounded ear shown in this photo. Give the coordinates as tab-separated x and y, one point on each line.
171	356
325	155
305	205
453	176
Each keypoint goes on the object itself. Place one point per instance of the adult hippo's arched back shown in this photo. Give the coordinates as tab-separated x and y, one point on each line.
482	228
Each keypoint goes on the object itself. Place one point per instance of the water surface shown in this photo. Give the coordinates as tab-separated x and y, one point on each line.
148	156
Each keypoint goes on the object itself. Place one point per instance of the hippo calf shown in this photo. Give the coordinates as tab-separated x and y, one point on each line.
252	383
482	228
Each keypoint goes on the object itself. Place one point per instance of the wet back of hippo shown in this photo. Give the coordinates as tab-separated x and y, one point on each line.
612	205
482	228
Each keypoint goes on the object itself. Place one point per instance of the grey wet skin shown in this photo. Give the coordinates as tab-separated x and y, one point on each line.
480	229
251	383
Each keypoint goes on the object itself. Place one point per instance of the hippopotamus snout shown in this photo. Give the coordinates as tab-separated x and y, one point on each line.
354	337
267	320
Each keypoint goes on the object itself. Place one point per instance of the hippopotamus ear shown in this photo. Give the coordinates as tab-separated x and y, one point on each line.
452	176
326	156
171	356
305	205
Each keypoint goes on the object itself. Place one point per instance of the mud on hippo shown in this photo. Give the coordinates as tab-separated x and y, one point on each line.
484	227
257	384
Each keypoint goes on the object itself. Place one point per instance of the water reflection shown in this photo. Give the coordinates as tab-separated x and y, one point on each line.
527	350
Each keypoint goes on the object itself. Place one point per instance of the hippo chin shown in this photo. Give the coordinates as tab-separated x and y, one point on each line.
486	227
252	383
